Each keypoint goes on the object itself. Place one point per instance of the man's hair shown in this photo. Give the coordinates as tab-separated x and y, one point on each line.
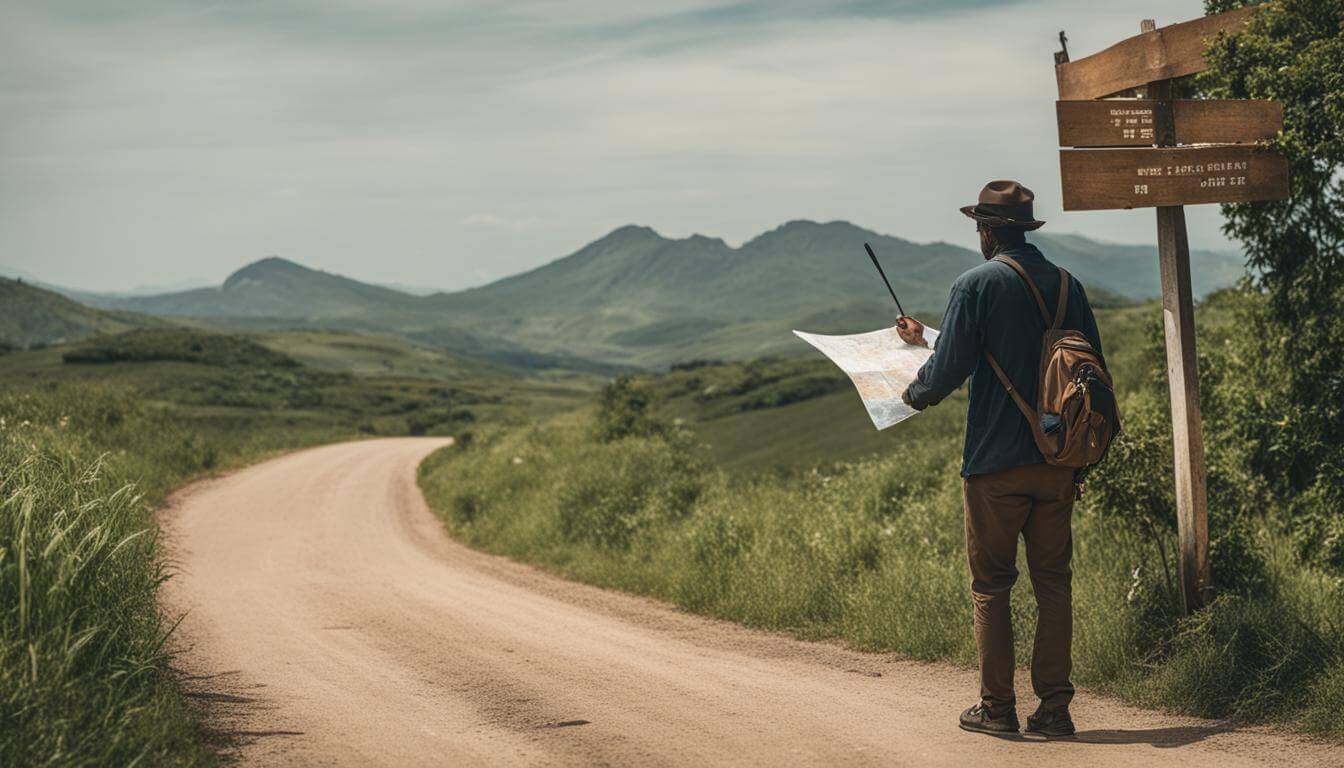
1008	235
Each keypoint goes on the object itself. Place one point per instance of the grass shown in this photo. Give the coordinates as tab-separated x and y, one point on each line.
635	494
92	437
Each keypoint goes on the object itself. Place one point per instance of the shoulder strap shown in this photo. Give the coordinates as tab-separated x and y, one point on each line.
1022	406
1031	284
1064	287
1060	308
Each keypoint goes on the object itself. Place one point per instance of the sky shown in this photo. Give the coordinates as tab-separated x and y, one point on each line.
446	144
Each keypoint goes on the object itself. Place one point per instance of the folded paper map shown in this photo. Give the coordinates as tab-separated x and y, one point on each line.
880	365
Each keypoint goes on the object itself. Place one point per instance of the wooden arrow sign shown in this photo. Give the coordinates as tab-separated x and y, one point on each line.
1172	51
1096	179
1133	122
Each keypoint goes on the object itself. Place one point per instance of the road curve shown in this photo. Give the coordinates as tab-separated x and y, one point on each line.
330	621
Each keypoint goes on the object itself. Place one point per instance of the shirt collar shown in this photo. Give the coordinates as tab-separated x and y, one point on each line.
1021	249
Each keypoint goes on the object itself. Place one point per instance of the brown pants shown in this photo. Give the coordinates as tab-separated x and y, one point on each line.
1035	501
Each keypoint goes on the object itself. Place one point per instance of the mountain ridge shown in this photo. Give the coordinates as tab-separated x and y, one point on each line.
637	297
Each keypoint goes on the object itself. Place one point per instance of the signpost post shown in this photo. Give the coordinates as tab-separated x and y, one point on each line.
1165	153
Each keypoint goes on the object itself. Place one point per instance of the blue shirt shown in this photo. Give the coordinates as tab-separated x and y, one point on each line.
990	306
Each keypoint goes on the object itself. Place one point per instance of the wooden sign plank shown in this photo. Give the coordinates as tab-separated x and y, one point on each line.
1172	51
1130	122
1226	121
1099	179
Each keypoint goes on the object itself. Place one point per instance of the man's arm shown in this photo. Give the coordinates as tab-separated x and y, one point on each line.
955	355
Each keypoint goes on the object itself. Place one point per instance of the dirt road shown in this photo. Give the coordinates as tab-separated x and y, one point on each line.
331	622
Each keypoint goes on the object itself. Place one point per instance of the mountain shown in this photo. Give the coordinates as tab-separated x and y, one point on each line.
635	295
34	316
636	298
1131	270
272	287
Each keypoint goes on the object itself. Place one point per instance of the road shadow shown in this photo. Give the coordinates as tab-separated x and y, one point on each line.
1175	736
229	710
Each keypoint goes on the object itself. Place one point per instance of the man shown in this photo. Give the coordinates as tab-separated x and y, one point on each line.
1009	489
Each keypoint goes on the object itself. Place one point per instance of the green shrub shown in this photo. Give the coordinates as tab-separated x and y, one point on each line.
1241	657
628	485
176	345
623	411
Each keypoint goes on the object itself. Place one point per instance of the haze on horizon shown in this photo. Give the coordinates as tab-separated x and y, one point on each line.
446	145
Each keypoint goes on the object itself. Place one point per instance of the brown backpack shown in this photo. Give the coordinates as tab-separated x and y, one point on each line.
1075	416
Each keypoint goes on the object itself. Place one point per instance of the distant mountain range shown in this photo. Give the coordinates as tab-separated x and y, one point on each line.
637	298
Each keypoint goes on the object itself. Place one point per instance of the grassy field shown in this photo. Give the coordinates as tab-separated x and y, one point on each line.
789	414
92	437
724	489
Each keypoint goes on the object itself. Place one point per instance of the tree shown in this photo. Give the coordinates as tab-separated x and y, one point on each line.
1292	51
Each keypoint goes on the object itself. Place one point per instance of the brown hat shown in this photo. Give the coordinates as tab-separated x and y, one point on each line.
1005	204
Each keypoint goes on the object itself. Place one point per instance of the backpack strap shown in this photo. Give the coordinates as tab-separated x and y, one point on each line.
1031	284
1060	308
1022	405
1064	286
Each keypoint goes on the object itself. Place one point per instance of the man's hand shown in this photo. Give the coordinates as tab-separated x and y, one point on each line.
911	331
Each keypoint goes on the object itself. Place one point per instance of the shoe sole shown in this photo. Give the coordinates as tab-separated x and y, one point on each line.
972	729
1052	734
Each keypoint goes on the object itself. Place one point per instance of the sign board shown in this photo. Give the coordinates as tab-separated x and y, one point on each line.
1097	179
1134	122
1172	51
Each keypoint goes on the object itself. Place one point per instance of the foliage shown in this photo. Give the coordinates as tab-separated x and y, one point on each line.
623	411
177	345
1293	51
83	673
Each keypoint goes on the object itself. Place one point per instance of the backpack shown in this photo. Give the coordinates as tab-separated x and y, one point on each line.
1075	417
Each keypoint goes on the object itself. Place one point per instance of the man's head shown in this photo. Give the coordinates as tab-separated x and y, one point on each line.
995	239
1003	215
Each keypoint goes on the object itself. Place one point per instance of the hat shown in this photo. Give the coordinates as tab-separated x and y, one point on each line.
1005	204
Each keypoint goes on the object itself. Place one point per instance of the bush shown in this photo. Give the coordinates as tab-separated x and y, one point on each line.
1241	657
623	411
179	346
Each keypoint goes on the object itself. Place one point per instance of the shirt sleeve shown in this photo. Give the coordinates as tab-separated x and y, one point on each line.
955	355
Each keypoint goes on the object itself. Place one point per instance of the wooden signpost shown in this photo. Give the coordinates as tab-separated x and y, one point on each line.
1098	179
1165	153
1132	122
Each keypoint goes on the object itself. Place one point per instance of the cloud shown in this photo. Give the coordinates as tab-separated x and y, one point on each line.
154	141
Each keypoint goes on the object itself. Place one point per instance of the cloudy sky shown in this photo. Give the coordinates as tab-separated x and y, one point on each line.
445	144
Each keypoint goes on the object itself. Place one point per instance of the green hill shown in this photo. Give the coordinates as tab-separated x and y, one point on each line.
32	317
1131	270
272	287
636	298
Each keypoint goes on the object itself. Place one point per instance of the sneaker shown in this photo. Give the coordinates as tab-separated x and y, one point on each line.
981	720
1051	722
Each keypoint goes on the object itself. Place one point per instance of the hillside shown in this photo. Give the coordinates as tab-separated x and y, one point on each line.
637	298
635	295
34	316
272	287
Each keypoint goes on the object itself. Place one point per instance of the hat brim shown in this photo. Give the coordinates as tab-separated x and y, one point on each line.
999	222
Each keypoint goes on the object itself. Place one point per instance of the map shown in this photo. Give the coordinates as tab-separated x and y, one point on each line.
880	365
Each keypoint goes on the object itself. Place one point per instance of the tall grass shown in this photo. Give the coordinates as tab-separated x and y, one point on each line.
84	677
